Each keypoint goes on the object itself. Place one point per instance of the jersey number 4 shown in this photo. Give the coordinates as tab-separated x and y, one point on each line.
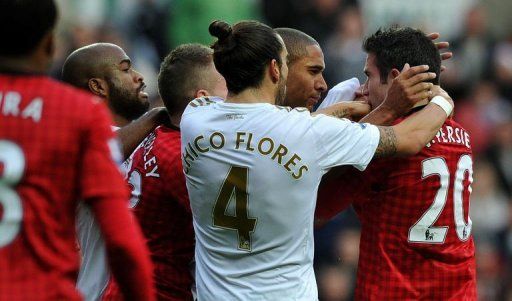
235	187
12	162
423	231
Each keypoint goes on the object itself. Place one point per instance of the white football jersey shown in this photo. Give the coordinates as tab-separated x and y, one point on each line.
252	174
94	273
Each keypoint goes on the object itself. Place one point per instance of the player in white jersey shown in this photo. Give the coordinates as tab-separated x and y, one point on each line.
105	70
253	168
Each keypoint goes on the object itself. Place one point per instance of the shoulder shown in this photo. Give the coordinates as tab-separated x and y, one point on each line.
201	103
165	143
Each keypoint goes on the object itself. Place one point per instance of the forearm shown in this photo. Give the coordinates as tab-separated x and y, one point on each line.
131	135
419	129
127	252
339	110
352	110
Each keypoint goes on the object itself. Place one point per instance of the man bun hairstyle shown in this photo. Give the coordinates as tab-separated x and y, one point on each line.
395	46
242	52
220	29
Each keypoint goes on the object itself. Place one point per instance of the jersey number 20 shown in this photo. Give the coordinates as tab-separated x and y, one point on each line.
235	186
13	162
423	231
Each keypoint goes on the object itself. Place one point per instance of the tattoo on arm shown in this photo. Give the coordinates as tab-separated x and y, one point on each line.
341	113
387	144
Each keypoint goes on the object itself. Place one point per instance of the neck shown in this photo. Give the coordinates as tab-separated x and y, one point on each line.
252	96
22	65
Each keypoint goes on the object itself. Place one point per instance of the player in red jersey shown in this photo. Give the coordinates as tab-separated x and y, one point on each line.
55	148
416	241
105	70
159	194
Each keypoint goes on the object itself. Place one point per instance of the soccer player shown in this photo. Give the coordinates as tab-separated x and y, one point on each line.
55	148
416	241
105	70
159	195
253	168
306	83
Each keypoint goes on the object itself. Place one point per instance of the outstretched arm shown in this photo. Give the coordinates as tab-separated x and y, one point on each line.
352	110
411	135
131	135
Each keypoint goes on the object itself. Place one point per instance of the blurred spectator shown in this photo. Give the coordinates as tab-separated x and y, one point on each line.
489	205
321	18
499	153
344	56
285	13
473	53
503	65
489	271
484	110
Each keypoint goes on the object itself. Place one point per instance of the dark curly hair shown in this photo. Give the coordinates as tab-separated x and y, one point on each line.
396	46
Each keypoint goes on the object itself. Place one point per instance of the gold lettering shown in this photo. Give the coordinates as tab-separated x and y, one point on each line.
300	172
281	151
249	147
271	146
186	156
222	140
292	162
239	139
196	144
192	150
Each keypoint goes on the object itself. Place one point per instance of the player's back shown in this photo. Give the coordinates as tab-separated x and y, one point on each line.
43	127
416	238
252	175
160	202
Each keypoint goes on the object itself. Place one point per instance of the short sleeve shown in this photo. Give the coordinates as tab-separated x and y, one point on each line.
342	142
100	175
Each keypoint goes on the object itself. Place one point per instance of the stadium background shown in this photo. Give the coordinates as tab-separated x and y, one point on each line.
479	77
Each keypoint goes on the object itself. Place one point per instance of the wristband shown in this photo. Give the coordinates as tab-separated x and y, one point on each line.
443	103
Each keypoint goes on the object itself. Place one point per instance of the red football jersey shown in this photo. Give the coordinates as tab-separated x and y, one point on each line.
416	241
161	205
53	151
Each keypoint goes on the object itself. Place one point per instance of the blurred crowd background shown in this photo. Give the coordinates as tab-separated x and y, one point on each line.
479	78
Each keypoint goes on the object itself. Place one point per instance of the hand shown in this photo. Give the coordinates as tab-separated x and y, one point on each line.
358	109
408	88
441	45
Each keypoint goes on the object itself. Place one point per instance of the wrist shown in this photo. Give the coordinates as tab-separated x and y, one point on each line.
443	104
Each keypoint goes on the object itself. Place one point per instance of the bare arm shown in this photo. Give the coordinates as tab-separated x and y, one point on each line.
352	110
411	135
131	135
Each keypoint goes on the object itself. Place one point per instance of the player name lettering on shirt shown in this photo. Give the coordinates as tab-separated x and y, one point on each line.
150	163
10	102
449	134
244	142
